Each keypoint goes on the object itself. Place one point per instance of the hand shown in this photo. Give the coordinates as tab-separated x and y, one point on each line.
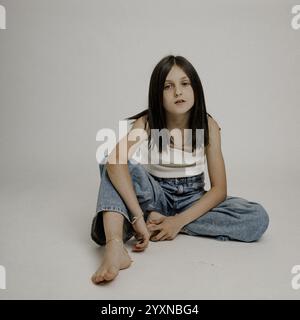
141	234
167	228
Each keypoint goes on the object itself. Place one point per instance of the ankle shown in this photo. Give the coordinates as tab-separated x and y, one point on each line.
114	242
114	238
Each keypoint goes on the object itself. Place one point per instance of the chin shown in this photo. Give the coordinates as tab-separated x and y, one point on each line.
179	109
182	109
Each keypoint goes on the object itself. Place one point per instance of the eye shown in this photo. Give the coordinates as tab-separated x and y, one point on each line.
184	83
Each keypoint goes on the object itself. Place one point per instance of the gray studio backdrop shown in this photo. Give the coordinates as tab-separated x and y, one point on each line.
69	68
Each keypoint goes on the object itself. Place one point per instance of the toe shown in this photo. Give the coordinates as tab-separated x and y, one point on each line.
96	278
111	273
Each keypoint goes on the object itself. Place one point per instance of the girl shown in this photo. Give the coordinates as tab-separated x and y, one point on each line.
156	201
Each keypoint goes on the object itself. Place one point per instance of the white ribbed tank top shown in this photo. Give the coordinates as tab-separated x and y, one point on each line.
171	163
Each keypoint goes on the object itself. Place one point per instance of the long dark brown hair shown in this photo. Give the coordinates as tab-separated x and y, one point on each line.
155	113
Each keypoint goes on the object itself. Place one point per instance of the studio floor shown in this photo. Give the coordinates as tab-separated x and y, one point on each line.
48	254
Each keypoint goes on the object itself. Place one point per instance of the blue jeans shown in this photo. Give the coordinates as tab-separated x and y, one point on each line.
233	219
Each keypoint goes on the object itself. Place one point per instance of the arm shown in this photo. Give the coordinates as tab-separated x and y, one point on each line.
217	176
120	177
118	172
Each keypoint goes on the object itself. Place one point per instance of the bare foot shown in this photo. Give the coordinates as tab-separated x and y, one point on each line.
153	215
115	258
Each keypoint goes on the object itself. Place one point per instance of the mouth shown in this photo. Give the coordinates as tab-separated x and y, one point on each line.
180	101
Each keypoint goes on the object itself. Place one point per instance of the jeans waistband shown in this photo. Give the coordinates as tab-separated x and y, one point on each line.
182	180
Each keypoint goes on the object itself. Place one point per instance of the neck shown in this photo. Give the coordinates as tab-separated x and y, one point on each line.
180	122
177	121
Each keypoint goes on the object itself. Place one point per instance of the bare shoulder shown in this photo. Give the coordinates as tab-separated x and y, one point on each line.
212	124
126	147
214	156
214	135
141	123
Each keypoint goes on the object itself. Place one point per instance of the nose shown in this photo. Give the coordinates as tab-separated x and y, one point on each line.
177	92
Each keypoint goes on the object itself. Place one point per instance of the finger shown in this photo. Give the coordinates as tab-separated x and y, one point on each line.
150	231
150	224
153	227
139	238
135	249
153	234
166	237
159	236
142	245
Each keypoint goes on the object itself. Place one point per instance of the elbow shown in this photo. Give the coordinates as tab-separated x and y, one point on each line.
224	196
222	193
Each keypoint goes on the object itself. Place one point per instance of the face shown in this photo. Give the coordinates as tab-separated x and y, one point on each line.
178	86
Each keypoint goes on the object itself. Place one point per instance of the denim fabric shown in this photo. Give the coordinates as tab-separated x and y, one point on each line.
233	219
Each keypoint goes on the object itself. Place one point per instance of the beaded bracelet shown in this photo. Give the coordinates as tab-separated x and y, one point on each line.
136	218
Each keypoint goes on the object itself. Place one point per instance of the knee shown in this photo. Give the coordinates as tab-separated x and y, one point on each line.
259	223
140	181
137	171
133	166
263	220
